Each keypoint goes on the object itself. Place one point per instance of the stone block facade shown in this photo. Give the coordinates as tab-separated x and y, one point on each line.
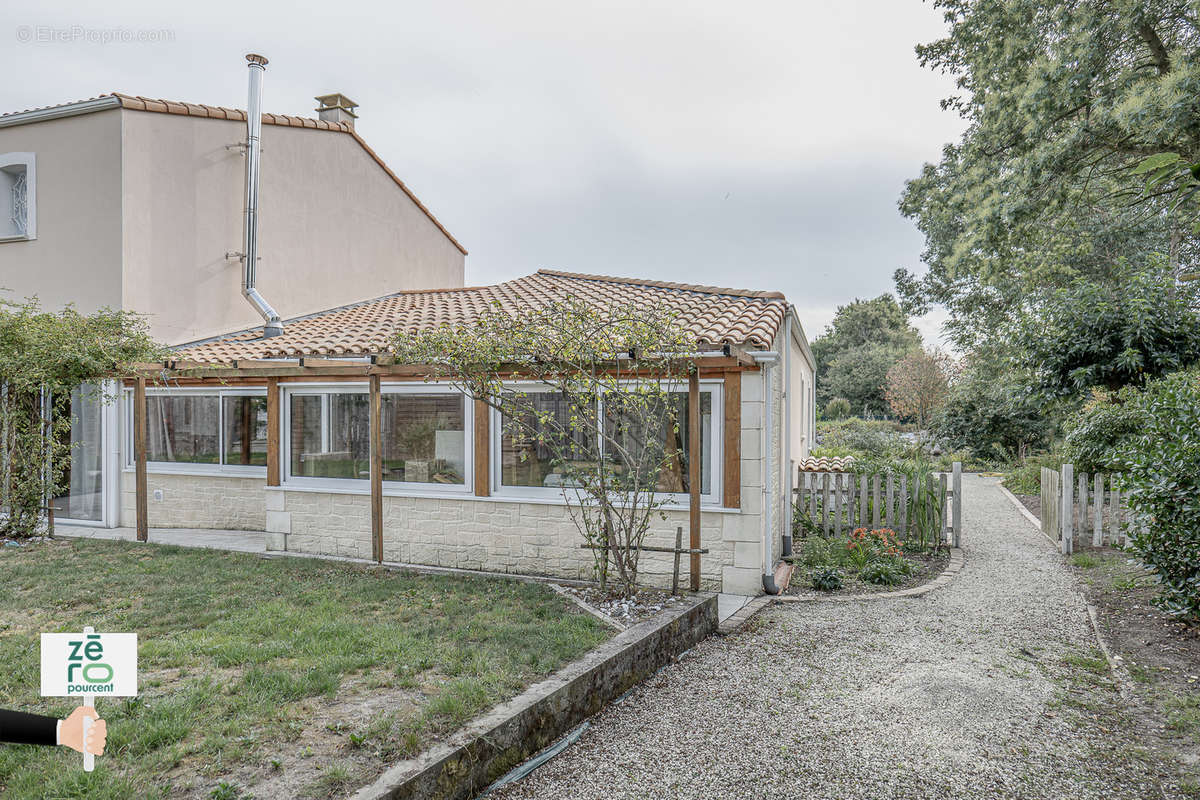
197	501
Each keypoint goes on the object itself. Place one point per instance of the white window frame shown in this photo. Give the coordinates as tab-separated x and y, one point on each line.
713	497
188	467
363	485
29	162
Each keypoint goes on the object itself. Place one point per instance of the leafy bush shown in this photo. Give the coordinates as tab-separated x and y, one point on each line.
1096	435
825	579
816	551
993	416
1162	467
885	571
1026	478
837	408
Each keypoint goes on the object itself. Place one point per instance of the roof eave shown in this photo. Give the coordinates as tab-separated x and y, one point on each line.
58	112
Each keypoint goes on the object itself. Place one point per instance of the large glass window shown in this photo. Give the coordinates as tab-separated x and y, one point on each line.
244	430
219	429
182	428
81	473
528	452
530	442
423	436
648	439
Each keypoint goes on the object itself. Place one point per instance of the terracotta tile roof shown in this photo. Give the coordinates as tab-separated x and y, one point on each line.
716	316
135	103
827	464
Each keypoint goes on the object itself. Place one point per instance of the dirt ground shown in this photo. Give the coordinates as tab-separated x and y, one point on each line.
1161	653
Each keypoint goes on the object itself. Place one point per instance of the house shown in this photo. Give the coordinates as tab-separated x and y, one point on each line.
250	431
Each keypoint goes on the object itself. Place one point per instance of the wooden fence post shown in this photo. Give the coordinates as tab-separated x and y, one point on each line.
1098	510
694	478
1068	507
862	502
903	523
891	496
875	502
825	503
956	487
942	509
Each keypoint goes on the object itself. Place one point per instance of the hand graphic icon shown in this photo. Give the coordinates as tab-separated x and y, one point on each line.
71	732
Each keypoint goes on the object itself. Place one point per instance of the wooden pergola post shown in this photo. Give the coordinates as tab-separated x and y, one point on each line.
274	430
376	469
139	455
694	475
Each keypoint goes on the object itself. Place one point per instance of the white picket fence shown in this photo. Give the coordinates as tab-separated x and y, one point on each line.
1076	505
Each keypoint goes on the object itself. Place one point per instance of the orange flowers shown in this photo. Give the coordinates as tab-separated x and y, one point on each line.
881	541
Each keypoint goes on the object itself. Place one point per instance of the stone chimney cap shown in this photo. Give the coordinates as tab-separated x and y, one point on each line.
338	101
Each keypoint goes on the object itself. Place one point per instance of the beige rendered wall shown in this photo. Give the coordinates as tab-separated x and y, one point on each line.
334	227
76	257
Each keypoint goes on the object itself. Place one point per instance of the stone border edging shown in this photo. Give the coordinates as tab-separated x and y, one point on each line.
743	615
488	747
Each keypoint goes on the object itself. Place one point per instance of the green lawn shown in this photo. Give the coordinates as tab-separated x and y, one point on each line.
275	676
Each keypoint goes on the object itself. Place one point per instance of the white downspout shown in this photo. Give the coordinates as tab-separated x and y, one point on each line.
768	359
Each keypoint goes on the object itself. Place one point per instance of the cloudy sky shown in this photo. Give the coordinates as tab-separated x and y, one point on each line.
753	144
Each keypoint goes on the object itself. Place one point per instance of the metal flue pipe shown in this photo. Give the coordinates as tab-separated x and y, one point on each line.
273	326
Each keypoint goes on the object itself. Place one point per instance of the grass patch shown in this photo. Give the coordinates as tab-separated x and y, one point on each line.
1183	715
236	652
1086	560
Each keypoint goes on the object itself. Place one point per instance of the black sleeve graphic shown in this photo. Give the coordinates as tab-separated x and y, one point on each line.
17	727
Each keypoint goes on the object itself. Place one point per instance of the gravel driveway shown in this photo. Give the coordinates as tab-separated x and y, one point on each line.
981	689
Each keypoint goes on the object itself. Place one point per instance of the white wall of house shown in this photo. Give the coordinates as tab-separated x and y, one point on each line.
334	228
76	255
137	210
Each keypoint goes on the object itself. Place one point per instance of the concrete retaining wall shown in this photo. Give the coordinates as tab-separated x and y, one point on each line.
489	747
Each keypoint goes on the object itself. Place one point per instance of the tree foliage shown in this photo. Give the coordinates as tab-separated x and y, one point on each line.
917	386
617	435
854	354
1063	100
45	355
991	412
1141	325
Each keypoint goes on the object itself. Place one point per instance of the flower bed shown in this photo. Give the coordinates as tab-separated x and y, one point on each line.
866	562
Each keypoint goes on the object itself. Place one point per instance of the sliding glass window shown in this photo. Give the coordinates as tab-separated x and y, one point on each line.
423	436
186	430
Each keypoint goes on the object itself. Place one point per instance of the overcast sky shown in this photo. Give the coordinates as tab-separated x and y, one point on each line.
752	144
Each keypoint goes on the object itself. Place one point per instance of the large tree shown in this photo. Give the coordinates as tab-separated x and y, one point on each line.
1063	100
854	354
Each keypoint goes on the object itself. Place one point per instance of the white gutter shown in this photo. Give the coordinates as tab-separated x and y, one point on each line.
57	112
768	359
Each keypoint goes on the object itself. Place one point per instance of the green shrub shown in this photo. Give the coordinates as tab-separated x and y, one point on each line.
837	408
1096	435
825	579
818	552
1026	478
1162	467
885	571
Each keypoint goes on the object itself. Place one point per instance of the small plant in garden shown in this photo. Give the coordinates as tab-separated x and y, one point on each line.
865	546
885	571
826	579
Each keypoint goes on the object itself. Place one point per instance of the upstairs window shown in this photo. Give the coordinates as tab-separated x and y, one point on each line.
18	202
